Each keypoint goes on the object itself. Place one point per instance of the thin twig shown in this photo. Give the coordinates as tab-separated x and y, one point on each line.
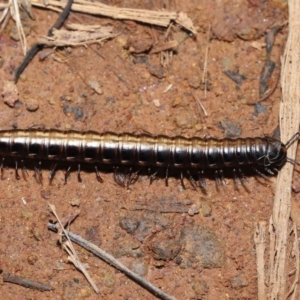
68	247
26	282
115	263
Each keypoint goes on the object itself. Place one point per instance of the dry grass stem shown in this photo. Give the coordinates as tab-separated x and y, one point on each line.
82	36
5	15
15	13
260	243
68	247
26	5
166	55
115	263
160	18
289	124
199	104
163	46
5	5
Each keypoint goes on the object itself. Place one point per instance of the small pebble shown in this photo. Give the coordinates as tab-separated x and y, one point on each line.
75	201
32	259
259	109
10	93
184	120
122	41
95	85
157	71
166	249
129	224
177	101
200	288
37	234
194	81
139	267
239	281
45	194
205	209
51	101
32	104
231	129
77	111
156	102
193	210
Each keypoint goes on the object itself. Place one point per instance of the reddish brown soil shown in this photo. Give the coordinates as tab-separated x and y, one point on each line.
59	87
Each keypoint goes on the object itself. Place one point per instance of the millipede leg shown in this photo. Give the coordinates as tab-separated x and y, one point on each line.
98	175
117	176
268	170
222	177
24	170
52	173
133	177
16	171
67	174
167	176
38	173
2	170
217	178
260	173
201	179
78	174
153	177
236	177
181	180
243	176
192	180
128	178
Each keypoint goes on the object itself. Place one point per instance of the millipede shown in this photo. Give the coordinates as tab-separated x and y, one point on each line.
190	157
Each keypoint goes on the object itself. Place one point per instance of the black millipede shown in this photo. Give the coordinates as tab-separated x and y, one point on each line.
191	156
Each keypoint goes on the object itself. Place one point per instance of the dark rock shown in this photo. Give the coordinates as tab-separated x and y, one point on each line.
231	129
259	109
239	281
166	249
201	247
129	224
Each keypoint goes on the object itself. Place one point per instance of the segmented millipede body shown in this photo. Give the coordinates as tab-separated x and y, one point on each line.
143	150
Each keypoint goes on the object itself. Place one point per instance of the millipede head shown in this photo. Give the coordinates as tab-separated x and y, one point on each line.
276	154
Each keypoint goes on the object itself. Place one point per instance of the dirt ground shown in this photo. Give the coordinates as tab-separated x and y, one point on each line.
190	244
